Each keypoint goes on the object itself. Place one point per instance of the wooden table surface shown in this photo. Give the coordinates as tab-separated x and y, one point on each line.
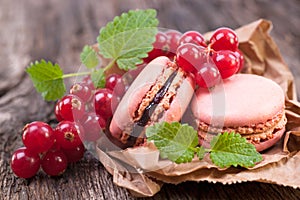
57	31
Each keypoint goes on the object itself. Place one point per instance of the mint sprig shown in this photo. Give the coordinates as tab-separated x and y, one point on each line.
179	143
47	78
129	37
125	41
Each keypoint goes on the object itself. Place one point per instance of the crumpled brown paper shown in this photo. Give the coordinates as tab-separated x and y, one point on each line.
142	172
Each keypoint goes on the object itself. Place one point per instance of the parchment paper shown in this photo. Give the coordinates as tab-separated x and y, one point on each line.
142	172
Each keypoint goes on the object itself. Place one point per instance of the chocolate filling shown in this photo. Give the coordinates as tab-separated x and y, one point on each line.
143	121
156	100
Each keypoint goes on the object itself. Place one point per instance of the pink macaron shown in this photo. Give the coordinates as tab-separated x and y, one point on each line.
250	105
161	92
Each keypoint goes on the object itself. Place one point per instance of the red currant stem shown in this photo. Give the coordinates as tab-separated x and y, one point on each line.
75	74
110	65
209	51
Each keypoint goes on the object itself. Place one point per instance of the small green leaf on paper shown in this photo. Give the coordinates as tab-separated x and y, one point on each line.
231	149
175	141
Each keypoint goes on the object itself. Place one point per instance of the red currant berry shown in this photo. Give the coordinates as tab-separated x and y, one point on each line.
115	100
68	134
112	80
90	107
190	57
227	63
193	37
70	108
74	155
173	42
54	163
160	46
24	163
240	58
131	75
208	76
103	103
81	90
115	83
224	39
93	126
55	147
88	80
38	136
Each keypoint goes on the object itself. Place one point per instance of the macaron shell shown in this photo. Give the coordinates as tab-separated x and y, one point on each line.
268	143
258	146
180	102
125	110
242	100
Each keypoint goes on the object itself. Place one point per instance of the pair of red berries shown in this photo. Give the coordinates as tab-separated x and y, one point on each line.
208	62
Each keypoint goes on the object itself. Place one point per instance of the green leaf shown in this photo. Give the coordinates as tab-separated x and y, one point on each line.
175	141
230	149
47	79
129	37
200	152
98	78
89	57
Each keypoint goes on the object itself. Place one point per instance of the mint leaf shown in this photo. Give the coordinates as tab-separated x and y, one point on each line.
129	37
98	78
47	79
175	141
200	151
89	57
232	149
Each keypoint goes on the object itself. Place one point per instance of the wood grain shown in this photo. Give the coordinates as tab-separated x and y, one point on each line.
57	31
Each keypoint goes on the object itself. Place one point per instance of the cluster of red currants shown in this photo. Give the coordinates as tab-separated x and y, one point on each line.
82	115
43	150
207	61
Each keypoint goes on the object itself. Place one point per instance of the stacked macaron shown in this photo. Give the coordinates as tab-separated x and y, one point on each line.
250	105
